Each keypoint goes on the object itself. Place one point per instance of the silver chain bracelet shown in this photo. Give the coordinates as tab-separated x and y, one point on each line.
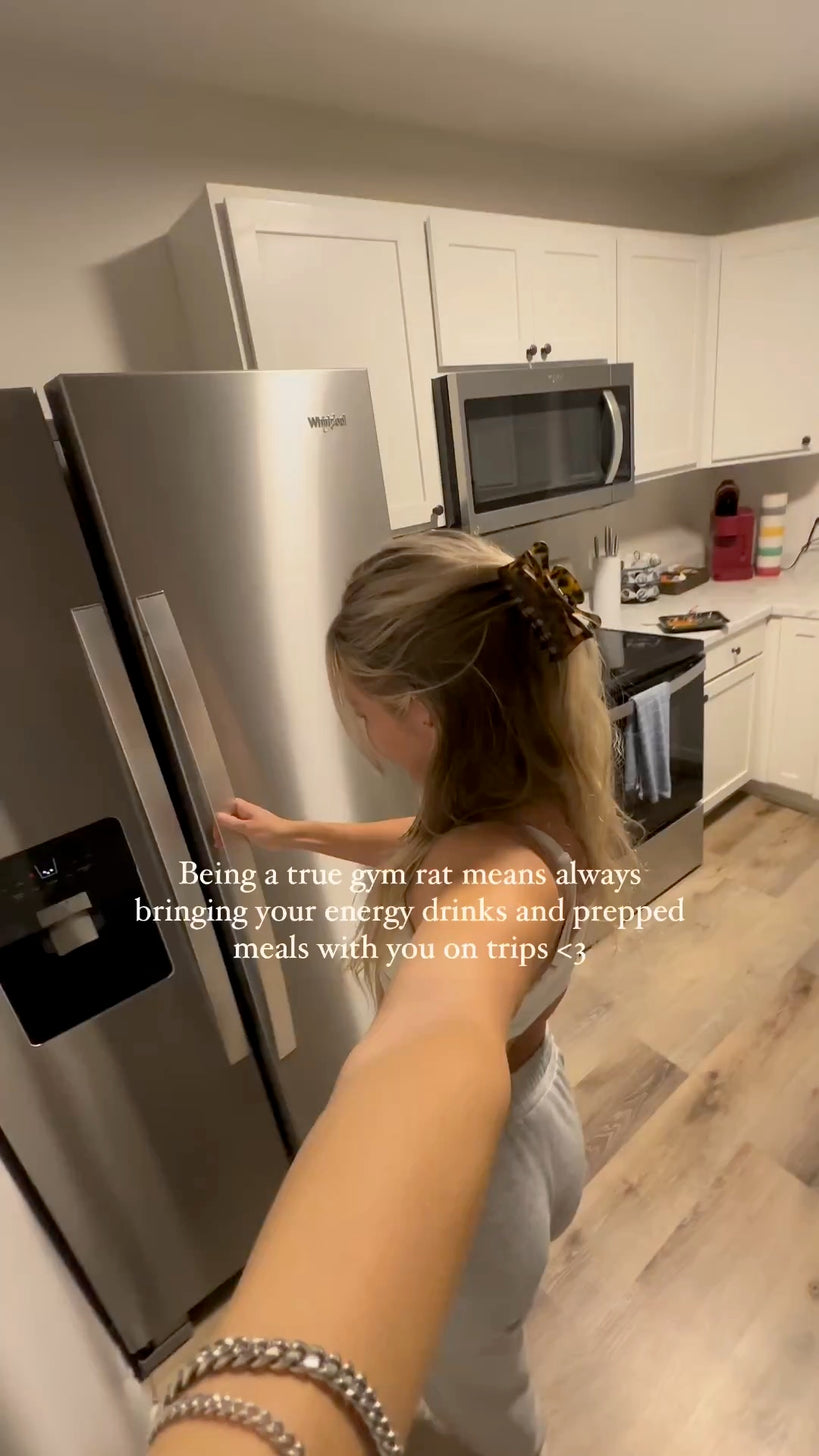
237	1412
293	1357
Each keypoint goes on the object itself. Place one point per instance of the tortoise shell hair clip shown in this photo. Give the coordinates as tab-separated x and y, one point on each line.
549	598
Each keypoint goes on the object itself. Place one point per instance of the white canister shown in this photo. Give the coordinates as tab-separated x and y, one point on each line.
770	536
605	591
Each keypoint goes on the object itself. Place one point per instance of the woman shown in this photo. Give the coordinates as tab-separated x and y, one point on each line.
479	677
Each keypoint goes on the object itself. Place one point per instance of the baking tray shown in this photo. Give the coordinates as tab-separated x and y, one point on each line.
693	622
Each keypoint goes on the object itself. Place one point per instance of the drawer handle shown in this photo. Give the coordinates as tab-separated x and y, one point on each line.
736	651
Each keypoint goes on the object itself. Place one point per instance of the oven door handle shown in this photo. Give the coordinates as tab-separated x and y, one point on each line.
625	710
610	401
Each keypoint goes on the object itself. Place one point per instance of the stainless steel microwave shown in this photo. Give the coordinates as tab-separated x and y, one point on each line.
518	444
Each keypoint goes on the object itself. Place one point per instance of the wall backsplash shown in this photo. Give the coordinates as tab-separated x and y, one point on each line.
799	476
671	515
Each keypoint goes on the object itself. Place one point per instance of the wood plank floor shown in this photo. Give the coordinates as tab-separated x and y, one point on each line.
679	1315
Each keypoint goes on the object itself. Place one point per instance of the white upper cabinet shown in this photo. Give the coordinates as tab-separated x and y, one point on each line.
573	273
766	400
723	333
662	303
340	285
508	289
480	290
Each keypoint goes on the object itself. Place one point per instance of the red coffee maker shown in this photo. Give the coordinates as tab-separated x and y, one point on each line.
732	536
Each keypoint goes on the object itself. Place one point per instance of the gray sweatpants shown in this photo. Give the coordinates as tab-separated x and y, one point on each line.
479	1387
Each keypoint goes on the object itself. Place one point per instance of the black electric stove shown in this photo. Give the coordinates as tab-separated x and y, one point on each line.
636	660
668	830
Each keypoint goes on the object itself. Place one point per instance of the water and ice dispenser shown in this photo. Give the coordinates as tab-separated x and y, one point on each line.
70	947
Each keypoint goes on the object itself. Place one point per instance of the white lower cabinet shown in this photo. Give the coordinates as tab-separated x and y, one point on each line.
793	749
729	720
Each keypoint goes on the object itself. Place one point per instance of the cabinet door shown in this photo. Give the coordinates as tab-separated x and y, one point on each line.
479	288
766	401
729	718
662	298
331	287
572	270
793	755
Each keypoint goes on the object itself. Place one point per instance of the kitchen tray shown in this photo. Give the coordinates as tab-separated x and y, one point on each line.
693	622
694	576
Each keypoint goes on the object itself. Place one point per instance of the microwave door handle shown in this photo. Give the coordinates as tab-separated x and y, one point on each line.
618	440
116	697
179	678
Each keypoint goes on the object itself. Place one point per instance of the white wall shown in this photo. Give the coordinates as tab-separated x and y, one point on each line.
64	1388
93	170
783	193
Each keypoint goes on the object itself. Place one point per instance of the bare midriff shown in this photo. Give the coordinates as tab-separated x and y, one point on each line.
526	1044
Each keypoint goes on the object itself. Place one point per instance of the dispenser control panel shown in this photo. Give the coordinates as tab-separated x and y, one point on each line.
70	945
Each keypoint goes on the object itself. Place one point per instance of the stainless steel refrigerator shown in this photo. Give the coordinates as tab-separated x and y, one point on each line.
165	599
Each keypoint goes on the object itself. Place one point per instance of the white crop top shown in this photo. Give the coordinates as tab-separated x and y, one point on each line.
557	973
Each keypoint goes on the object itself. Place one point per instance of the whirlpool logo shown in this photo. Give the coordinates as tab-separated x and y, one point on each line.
326	422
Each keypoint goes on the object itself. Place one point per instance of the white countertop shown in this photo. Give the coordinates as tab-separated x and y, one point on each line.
791	594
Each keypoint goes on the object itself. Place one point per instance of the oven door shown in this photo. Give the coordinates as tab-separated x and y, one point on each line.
528	444
686	754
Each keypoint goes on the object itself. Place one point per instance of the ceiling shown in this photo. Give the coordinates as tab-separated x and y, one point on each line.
712	86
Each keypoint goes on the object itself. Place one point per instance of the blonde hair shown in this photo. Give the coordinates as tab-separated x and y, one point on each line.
427	617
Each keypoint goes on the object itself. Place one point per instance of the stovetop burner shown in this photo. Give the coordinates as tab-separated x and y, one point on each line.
637	659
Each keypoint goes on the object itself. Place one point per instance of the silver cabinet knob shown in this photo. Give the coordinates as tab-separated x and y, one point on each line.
545	351
531	351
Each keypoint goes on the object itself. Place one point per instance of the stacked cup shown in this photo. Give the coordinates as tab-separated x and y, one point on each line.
771	534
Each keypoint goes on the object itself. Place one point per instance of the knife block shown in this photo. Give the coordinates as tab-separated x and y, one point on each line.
605	592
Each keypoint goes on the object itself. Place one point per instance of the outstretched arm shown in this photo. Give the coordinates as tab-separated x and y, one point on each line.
367	844
363	1248
366	1241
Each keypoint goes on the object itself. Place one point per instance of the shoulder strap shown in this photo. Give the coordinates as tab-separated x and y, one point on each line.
557	858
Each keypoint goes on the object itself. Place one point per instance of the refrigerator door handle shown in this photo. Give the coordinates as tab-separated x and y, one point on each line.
117	698
179	678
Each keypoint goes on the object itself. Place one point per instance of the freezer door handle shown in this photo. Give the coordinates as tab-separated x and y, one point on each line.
117	698
180	682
